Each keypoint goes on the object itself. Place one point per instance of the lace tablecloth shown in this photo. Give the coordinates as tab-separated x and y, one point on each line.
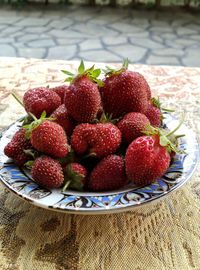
163	235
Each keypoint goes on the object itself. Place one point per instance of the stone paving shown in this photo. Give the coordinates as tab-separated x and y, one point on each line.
101	34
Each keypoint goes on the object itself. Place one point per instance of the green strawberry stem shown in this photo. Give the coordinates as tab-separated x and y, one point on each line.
174	130
18	99
66	185
167	110
33	116
180	136
166	141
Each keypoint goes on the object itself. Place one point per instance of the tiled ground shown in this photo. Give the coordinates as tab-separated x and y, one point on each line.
102	34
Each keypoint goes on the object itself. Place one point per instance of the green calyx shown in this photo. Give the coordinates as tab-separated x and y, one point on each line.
166	138
106	118
32	153
73	180
108	71
91	73
29	164
35	123
69	158
156	102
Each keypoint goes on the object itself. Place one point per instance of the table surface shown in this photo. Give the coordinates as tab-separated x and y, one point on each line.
163	235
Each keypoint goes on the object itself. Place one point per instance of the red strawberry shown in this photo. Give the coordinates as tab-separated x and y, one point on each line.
132	126
62	118
47	172
15	148
50	138
148	93
154	115
146	160
82	98
99	139
124	91
60	90
41	99
75	176
109	174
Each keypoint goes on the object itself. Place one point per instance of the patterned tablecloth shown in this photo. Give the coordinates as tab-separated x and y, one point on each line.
163	235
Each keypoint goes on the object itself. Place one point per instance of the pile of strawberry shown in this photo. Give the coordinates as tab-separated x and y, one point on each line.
93	134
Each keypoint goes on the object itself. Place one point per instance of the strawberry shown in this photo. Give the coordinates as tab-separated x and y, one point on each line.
146	160
60	90
124	91
62	118
132	126
148	93
75	176
109	174
15	148
50	138
100	139
155	112
47	137
154	115
41	99
82	99
47	172
148	157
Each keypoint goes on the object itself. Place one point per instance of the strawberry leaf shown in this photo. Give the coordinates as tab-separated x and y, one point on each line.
108	70
96	73
156	102
67	73
81	68
29	164
69	79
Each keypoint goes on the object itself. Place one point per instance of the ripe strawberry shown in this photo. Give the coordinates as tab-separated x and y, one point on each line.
75	175
146	160
15	148
62	118
109	174
148	93
124	91
154	115
50	138
132	126
82	99
41	99
60	90
98	139
47	172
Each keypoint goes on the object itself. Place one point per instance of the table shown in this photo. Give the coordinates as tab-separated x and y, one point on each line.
163	235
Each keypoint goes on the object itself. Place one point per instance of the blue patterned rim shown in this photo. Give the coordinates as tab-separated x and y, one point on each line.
20	182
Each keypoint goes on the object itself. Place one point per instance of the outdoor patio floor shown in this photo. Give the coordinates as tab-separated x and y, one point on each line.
102	34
